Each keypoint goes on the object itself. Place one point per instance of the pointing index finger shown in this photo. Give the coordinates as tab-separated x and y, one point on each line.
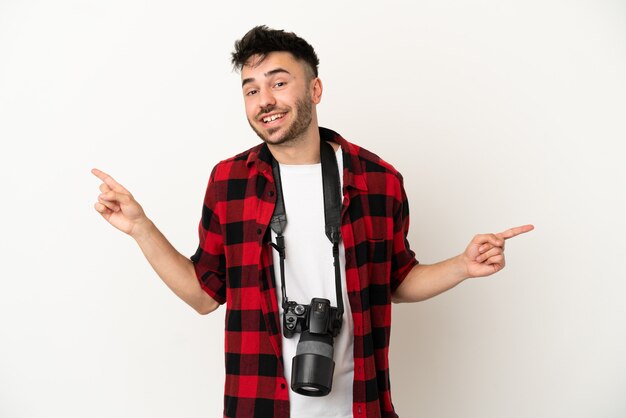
513	232
108	180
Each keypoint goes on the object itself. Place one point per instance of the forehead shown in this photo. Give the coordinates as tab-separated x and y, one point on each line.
258	65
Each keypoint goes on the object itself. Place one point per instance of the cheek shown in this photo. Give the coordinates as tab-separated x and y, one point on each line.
250	109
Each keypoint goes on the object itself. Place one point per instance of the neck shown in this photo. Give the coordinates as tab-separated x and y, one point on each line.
302	150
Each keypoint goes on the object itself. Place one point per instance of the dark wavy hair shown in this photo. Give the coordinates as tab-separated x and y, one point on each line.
262	40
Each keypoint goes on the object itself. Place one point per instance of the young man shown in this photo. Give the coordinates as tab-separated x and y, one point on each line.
236	263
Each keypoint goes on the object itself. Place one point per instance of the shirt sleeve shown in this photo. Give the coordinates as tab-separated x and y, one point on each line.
403	258
209	260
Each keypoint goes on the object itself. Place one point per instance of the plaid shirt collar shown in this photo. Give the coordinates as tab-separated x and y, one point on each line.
353	172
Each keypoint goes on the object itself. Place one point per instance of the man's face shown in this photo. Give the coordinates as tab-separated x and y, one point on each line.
278	97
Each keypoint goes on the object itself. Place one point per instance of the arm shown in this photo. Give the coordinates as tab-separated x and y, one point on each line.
121	210
483	256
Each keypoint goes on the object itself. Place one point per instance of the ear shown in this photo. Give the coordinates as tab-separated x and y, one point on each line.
316	90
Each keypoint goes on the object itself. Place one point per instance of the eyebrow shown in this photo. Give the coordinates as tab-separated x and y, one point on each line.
267	74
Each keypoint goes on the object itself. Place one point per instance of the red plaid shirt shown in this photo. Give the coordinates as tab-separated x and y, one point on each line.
234	265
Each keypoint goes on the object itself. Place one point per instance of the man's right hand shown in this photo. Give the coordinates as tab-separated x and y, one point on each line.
118	206
121	210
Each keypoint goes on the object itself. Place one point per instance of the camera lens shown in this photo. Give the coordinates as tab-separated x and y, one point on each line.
313	365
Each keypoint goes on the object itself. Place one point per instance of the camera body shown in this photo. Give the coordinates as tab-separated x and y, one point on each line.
313	365
318	318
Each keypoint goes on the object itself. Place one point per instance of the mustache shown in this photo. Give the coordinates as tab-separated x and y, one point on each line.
268	109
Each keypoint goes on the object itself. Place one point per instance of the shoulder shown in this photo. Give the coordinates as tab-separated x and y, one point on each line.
370	175
237	166
357	159
371	162
233	179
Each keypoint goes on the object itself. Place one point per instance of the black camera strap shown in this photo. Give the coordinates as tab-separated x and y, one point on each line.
332	216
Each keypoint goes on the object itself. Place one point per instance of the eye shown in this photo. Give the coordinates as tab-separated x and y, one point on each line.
280	84
251	92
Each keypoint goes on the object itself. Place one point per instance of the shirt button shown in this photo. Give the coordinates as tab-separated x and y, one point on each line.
271	193
282	386
258	231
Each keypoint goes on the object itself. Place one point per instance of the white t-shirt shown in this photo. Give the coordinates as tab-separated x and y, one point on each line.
309	273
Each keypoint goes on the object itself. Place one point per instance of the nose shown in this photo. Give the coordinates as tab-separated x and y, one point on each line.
267	100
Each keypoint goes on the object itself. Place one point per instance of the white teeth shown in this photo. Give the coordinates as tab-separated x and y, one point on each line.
273	117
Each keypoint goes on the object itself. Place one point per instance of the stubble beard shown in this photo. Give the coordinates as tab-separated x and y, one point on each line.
295	131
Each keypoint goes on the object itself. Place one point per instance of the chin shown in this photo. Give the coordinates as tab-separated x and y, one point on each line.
272	137
275	140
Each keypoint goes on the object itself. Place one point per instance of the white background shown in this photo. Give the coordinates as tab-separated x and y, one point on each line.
497	113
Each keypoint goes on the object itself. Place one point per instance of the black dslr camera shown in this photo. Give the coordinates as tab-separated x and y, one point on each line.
313	365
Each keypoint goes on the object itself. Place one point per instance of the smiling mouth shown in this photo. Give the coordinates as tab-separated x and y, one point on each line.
272	118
